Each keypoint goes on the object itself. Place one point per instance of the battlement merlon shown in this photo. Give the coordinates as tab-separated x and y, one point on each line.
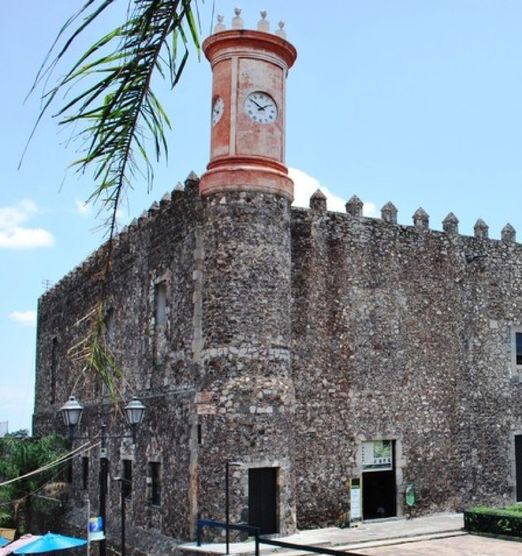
450	224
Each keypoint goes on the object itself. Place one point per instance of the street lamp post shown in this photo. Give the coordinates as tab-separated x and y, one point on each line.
124	482
228	465
103	480
71	412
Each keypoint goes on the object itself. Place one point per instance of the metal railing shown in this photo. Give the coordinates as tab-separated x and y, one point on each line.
254	531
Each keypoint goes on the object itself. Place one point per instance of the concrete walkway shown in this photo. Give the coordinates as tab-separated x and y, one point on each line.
462	545
365	535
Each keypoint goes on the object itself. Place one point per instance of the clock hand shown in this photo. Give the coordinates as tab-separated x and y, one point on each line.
259	107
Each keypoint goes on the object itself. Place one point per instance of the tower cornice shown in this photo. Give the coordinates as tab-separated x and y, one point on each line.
242	42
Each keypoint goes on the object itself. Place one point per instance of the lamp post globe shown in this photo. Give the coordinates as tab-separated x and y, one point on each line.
134	411
71	412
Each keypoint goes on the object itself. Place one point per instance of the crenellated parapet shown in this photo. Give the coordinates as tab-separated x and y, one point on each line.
173	201
420	218
188	192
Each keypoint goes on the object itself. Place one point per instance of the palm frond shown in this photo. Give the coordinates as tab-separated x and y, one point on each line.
93	353
120	118
116	117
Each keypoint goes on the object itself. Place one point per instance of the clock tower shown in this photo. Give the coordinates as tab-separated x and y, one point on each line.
243	346
249	71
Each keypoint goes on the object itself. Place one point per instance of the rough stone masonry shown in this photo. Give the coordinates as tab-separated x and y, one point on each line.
291	337
328	362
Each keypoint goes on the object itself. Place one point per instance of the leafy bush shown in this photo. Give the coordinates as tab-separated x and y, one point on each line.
496	521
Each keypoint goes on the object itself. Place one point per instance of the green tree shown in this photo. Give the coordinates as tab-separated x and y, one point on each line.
20	457
20	433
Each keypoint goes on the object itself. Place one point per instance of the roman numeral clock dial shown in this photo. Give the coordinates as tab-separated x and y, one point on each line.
261	107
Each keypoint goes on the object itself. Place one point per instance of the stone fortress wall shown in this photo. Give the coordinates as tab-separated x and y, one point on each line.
403	333
157	361
293	349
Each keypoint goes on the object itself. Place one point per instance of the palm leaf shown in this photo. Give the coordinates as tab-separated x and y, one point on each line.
117	112
120	121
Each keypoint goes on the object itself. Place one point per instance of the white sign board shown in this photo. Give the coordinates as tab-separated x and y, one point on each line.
377	455
355	500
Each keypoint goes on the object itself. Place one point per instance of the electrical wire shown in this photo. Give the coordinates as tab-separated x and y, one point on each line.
62	459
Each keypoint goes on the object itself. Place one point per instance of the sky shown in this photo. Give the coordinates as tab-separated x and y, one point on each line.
418	102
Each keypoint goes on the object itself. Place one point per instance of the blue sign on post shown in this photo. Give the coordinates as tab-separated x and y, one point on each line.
95	529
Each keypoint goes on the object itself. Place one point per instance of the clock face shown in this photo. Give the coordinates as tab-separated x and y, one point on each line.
261	107
217	110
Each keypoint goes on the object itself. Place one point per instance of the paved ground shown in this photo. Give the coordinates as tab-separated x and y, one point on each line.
377	530
436	535
464	545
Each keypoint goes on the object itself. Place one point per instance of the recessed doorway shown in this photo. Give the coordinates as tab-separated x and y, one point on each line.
518	466
379	497
262	499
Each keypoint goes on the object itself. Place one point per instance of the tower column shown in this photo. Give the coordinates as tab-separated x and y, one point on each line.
246	194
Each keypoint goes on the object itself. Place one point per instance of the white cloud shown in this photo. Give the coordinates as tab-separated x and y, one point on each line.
305	186
12	216
121	217
82	208
369	209
15	236
24	317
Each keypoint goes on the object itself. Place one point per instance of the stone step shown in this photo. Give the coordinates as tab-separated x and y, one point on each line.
399	540
243	549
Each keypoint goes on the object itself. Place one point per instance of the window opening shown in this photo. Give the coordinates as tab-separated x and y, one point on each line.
518	347
85	472
160	303
155	485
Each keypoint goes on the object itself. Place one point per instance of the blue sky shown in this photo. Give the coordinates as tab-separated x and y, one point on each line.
418	102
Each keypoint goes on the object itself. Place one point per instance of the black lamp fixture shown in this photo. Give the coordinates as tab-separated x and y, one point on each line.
71	413
134	411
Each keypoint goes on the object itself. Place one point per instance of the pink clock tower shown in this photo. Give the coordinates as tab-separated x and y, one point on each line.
244	339
248	109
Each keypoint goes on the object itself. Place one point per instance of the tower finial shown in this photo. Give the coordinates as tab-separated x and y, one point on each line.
281	32
237	20
220	26
263	25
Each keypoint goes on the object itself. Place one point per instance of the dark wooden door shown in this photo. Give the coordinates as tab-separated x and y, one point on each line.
518	465
262	499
